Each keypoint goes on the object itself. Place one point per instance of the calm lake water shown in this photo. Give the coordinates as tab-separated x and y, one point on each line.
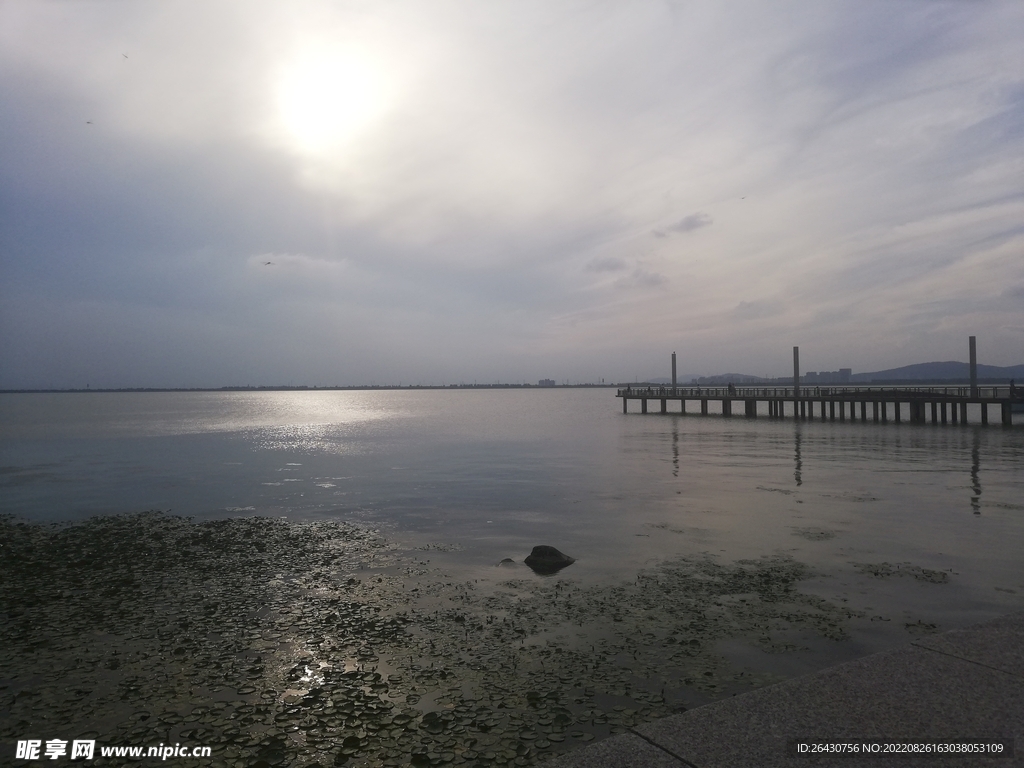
494	472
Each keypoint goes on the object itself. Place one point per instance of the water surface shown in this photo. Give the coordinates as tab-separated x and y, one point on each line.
875	510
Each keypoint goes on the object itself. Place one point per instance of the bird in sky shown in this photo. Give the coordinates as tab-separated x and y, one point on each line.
88	122
125	55
267	263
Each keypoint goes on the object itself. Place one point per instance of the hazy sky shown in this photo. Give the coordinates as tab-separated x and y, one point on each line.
460	191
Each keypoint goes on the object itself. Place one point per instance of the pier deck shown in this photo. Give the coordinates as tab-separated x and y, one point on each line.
944	404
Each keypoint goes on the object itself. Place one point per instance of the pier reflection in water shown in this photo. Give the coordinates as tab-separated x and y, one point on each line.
799	463
976	473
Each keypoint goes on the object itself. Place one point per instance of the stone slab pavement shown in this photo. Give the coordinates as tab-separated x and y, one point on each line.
966	685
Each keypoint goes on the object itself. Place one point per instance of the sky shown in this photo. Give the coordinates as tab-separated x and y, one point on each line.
204	194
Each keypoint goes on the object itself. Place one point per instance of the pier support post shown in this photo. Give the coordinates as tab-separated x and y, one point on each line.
704	406
1007	414
673	373
963	412
954	410
942	411
974	370
864	410
643	405
726	407
664	405
624	401
935	413
831	410
874	410
821	405
842	410
803	409
896	411
885	409
984	413
918	414
683	402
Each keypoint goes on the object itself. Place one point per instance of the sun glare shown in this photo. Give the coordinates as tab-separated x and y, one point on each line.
326	99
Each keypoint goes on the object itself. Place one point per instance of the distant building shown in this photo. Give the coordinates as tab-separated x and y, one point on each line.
546	383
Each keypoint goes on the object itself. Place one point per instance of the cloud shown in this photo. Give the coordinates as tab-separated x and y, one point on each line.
686	224
757	310
606	264
642	278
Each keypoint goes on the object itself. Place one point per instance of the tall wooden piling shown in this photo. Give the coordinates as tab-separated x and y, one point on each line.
796	372
974	370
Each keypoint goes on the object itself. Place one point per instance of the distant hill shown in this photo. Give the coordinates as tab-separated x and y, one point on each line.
949	370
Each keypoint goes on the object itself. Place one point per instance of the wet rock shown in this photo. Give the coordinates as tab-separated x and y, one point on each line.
547	560
506	563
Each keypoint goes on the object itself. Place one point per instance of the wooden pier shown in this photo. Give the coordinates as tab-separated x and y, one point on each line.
945	405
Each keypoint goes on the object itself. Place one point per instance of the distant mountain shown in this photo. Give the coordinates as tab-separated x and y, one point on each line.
941	371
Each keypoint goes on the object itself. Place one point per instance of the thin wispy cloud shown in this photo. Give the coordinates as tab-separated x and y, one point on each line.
607	264
685	224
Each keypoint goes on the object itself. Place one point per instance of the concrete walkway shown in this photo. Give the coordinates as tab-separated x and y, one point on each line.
966	685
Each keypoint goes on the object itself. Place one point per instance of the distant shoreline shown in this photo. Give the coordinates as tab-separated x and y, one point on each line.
371	387
284	388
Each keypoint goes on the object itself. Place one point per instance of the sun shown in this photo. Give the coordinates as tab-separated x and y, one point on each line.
325	98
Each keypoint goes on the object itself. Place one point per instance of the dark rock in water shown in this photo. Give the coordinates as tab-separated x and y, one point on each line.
546	560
